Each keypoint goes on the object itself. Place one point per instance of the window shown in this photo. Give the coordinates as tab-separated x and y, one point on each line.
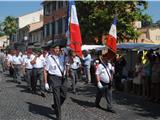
45	30
64	24
60	26
56	27
47	9
60	4
50	28
53	6
53	28
157	37
64	3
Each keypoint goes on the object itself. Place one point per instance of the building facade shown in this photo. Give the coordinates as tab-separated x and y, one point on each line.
55	13
25	22
4	42
149	35
35	35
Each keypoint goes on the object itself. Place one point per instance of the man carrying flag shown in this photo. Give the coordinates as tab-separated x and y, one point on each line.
55	69
105	71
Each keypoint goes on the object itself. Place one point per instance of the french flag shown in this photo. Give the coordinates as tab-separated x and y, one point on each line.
112	37
75	40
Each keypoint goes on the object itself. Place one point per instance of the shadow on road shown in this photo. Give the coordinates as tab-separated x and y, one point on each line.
82	103
87	90
139	105
41	110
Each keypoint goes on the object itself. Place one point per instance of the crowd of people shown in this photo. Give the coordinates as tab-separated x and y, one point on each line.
146	80
53	69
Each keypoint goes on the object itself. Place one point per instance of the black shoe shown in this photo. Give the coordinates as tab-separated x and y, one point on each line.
34	92
19	83
42	94
53	106
29	89
110	110
97	106
74	92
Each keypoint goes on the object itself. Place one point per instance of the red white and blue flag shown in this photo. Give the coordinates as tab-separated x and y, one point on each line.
112	37
73	33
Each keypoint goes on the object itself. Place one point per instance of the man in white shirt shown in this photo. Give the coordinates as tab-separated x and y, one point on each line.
38	71
2	56
24	56
8	62
87	65
104	75
75	65
16	63
55	71
29	69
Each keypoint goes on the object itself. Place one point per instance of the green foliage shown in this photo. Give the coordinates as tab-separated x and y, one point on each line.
146	20
1	29
10	25
96	17
158	23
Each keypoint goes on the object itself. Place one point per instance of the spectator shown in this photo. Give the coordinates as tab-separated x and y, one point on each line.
87	65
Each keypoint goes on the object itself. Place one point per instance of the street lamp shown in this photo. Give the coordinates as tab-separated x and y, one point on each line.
26	43
25	38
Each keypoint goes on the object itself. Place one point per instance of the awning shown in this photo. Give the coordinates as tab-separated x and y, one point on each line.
93	47
138	46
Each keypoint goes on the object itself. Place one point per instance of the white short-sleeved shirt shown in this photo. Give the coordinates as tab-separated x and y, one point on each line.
40	62
17	60
76	63
101	71
52	67
23	58
87	60
9	57
27	62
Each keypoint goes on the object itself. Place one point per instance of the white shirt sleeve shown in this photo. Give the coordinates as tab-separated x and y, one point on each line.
47	63
98	70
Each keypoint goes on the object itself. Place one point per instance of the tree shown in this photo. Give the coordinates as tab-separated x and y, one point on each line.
147	20
95	18
10	26
158	23
1	29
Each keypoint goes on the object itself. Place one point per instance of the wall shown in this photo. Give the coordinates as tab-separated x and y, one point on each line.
30	18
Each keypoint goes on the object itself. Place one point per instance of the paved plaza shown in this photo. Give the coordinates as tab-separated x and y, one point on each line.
16	103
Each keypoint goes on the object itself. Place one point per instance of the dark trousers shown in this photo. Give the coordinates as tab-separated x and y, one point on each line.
11	71
16	73
38	75
59	90
74	74
28	77
107	91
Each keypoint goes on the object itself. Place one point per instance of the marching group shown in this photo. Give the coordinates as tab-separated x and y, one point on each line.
52	68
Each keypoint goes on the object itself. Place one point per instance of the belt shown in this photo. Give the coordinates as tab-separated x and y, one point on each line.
55	75
74	69
17	64
28	69
37	68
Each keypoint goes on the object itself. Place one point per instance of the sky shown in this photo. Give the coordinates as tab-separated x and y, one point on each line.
154	10
17	8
